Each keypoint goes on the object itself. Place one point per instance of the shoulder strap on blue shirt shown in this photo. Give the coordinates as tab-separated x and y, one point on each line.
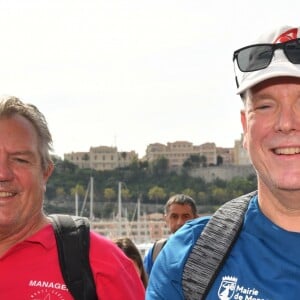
212	247
158	245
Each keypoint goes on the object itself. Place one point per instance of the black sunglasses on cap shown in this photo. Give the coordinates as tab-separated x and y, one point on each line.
259	56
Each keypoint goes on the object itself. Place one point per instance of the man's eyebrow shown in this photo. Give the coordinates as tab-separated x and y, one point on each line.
22	152
27	153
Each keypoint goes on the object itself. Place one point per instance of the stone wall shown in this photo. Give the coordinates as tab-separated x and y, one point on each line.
222	172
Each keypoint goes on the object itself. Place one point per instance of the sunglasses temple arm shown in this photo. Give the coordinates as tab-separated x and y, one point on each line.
236	79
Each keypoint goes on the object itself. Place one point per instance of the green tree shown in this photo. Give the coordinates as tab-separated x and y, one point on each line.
60	192
189	192
240	184
125	193
192	162
160	167
187	164
202	197
156	193
219	195
109	194
79	189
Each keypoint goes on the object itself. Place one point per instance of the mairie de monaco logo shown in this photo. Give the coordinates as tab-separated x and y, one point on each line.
227	287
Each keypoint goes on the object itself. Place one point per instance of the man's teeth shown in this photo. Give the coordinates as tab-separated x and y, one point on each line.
287	151
5	194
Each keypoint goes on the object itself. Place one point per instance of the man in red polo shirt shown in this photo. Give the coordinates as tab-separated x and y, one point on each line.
29	264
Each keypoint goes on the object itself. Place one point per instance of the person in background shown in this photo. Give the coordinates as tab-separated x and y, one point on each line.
29	265
264	262
130	249
178	209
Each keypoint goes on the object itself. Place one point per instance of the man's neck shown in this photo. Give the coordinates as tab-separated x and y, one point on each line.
10	236
282	207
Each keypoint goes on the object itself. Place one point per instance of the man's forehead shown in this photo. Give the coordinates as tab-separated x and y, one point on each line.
176	207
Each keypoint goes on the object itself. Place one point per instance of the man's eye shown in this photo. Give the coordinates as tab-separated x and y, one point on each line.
21	160
263	107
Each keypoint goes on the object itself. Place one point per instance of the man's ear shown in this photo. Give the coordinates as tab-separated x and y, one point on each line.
244	124
47	173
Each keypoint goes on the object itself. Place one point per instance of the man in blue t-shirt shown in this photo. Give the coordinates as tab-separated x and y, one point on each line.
264	262
178	210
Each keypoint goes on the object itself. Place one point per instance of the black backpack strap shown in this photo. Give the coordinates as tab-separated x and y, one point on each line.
158	245
73	239
212	247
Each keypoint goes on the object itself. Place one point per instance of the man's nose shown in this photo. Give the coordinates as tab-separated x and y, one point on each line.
6	172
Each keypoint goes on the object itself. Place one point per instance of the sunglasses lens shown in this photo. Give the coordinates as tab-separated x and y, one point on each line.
292	51
254	57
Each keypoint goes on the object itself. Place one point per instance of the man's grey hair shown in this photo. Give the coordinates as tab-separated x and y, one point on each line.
10	106
181	199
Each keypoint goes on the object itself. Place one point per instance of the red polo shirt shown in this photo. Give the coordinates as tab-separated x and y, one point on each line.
30	270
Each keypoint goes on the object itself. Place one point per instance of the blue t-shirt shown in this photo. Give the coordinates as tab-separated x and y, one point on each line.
264	263
148	263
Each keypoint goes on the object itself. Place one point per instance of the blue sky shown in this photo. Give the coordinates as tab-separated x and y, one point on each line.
130	73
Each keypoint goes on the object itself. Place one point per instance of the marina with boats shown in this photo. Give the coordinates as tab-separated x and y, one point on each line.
143	229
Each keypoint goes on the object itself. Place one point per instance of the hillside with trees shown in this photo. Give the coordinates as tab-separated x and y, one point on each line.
152	183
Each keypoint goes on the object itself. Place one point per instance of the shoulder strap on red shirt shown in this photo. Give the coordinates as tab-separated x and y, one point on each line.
73	239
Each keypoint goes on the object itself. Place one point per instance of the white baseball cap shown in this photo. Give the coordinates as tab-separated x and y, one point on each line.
279	66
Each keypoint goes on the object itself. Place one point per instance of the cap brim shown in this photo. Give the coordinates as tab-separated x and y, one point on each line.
250	79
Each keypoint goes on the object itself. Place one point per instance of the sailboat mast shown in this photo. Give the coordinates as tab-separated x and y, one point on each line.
119	201
92	199
76	203
139	218
119	208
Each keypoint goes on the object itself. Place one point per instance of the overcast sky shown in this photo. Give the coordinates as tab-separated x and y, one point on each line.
130	73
